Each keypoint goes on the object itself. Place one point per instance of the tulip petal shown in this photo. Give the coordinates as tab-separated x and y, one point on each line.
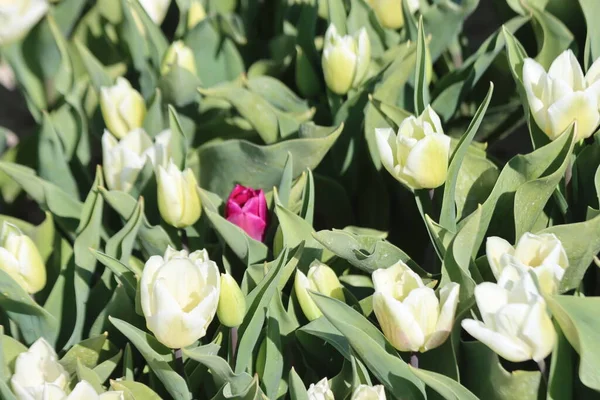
397	323
566	68
167	321
538	331
490	298
495	247
253	225
83	391
424	306
505	347
363	50
427	162
448	304
397	280
148	275
386	144
579	106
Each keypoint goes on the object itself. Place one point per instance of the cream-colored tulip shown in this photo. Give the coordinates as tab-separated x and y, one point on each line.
124	159
179	296
345	59
411	316
181	55
366	392
232	302
20	258
178	200
123	108
543	254
18	17
320	391
156	9
38	374
418	155
389	12
563	95
516	324
196	14
84	391
322	279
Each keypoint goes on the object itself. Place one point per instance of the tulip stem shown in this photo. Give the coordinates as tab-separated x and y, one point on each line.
185	242
414	360
542	366
234	340
179	362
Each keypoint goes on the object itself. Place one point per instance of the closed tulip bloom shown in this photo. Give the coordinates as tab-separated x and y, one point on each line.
38	374
156	9
181	55
18	17
179	296
366	392
516	324
196	14
389	12
418	155
178	200
322	279
247	208
345	59
232	302
84	391
124	159
411	316
563	95
20	258
320	391
123	108
543	254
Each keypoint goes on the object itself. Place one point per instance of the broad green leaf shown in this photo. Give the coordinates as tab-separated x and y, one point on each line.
551	33
421	92
10	350
135	390
221	371
107	367
323	329
87	374
125	274
273	369
179	142
337	15
179	86
87	352
590	9
99	76
297	388
560	380
158	357
260	166
120	245
448	388
276	93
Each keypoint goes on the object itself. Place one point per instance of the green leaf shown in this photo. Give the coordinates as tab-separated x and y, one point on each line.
86	374
323	329
276	93
10	349
448	212
179	141
337	15
590	9
107	367
99	76
260	166
554	36
448	388
120	245
421	92
273	369
220	369
560	381
33	321
125	274
372	348
179	86
157	356
136	390
87	352
297	388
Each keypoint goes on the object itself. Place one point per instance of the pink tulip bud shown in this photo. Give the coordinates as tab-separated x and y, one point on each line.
247	208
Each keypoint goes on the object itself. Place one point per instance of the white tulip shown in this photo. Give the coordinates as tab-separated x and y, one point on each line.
84	391
345	59
123	160
418	155
410	314
156	9
196	14
389	12
18	17
320	391
563	95
179	296
543	254
38	374
322	279
516	324
178	200
20	258
366	392
181	55
123	108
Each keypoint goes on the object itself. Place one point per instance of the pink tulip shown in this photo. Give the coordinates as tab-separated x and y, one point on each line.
247	208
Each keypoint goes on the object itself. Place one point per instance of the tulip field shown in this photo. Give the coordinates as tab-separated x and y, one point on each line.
299	199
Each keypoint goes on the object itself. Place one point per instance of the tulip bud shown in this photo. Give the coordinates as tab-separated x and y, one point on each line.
247	208
366	392
123	108
563	95
123	160
84	391
38	374
156	9
20	258
179	294
178	200
418	155
232	302
389	12
320	391
18	17
181	55
196	14
320	279
516	324
410	314
345	59
543	254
